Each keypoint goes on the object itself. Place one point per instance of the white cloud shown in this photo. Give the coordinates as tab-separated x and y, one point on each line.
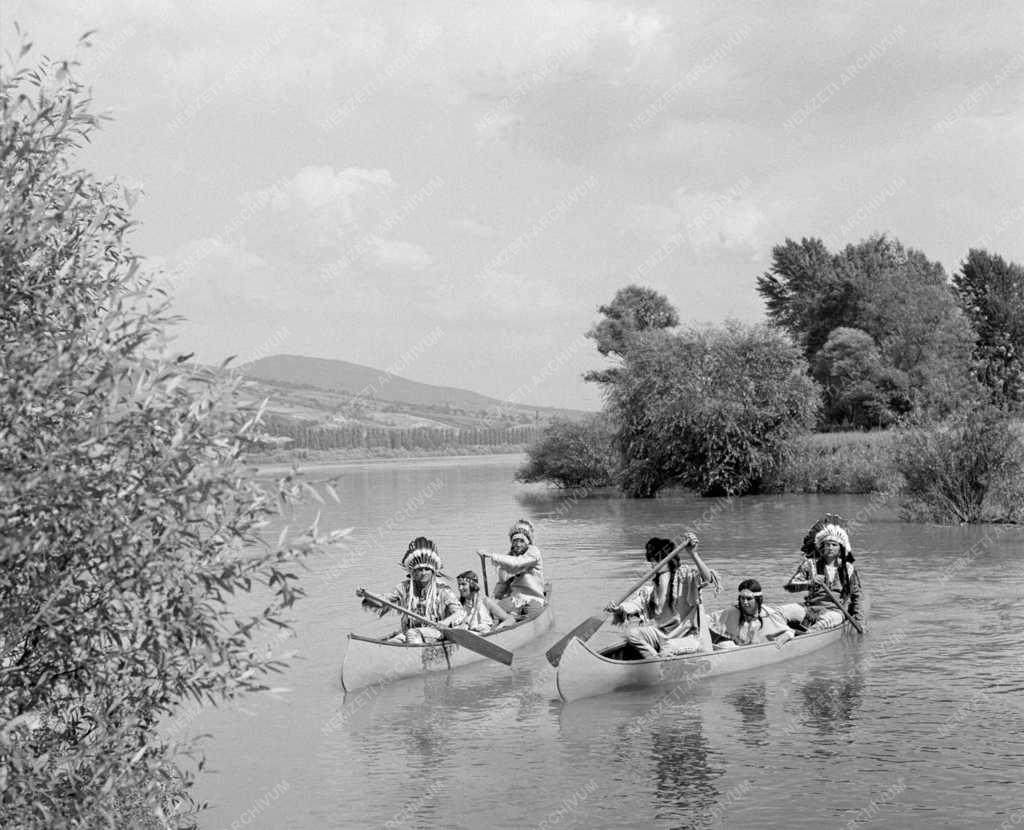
320	212
498	296
472	227
727	220
394	253
315	189
707	221
652	220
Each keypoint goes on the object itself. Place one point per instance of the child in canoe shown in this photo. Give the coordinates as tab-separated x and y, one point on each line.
483	614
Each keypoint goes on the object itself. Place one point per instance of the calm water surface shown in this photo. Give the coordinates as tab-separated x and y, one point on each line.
921	724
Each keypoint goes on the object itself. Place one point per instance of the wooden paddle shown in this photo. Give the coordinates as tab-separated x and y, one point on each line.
459	636
483	567
586	629
841	607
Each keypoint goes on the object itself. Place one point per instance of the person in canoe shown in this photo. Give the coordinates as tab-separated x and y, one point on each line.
483	614
750	621
423	593
665	616
520	586
831	567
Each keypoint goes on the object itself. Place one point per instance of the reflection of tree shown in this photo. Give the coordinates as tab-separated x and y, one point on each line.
685	778
829	703
750	702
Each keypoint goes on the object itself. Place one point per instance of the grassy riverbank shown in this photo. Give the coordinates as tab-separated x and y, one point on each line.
837	462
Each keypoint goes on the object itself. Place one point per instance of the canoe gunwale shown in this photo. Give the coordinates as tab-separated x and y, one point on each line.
364	672
836	633
586	672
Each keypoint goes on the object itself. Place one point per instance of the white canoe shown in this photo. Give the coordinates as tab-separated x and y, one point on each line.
370	661
584	672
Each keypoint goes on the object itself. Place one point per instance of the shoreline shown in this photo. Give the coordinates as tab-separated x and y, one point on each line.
275	468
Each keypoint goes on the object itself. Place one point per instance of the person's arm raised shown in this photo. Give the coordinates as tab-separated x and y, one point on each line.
691	545
516	564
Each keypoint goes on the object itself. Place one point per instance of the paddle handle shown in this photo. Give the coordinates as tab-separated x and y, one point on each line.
483	567
398	608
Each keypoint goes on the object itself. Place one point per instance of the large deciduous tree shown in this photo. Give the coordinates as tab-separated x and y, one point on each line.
990	291
708	408
898	297
859	390
632	311
126	521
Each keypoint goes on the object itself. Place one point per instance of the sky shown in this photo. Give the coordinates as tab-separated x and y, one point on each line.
450	190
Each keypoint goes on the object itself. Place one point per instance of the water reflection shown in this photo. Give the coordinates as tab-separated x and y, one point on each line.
830	703
683	770
751	702
489	746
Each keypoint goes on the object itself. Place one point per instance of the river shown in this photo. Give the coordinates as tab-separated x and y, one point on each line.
918	725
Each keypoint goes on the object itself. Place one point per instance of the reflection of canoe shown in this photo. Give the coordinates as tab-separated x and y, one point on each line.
370	661
583	672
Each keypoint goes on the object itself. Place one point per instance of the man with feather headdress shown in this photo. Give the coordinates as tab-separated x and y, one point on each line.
829	564
423	593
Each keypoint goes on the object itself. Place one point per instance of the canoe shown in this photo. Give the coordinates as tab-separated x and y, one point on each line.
584	672
370	661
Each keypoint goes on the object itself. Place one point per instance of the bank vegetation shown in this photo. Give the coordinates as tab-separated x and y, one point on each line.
873	372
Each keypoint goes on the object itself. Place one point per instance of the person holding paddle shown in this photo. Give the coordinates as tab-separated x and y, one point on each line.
421	593
520	586
664	616
829	578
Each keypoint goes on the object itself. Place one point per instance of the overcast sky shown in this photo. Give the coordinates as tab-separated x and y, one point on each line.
449	190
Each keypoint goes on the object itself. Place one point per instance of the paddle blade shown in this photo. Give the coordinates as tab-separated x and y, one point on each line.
584	631
474	642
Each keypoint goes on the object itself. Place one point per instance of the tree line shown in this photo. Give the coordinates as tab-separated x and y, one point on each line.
868	337
316	437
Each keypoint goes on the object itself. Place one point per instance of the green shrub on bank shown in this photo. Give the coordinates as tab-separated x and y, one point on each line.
969	469
571	454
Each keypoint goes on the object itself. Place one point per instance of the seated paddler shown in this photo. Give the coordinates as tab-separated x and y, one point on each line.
423	593
750	621
831	567
520	585
665	616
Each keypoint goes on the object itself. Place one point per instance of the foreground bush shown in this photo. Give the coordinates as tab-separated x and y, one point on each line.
571	454
126	524
970	469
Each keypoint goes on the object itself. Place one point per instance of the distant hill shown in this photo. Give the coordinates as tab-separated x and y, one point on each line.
370	388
